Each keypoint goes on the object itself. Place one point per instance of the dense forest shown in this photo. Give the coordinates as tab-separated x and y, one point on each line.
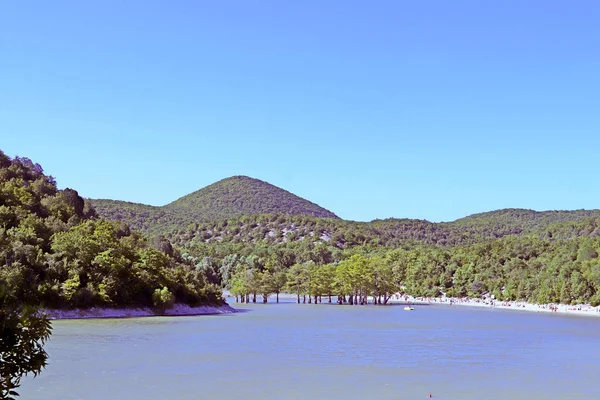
558	264
233	197
278	228
514	254
56	252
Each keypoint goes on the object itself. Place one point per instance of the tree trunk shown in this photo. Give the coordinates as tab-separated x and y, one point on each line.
278	297
309	299
254	297
303	299
298	298
264	298
351	300
329	298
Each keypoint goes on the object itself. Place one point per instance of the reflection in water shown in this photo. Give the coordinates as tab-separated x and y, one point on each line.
290	351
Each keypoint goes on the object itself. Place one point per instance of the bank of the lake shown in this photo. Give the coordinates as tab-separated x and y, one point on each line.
402	299
568	309
98	312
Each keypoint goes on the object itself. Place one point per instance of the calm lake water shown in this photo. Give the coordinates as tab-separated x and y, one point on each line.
289	351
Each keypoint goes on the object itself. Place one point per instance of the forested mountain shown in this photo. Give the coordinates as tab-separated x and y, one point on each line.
56	252
241	209
232	197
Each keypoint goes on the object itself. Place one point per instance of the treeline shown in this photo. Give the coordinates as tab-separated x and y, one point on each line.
56	252
532	268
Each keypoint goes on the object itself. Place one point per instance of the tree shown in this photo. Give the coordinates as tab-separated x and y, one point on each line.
163	299
297	280
23	333
276	277
266	284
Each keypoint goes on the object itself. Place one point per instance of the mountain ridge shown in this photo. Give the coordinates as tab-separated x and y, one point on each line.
244	209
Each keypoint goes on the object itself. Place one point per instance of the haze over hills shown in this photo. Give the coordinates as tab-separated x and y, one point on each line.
232	197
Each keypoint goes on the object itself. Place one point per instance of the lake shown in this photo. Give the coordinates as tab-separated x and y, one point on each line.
290	351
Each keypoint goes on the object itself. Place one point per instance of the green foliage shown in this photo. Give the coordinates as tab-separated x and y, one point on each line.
229	198
163	299
56	252
23	333
255	239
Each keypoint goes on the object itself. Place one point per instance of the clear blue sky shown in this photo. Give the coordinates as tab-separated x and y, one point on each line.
420	109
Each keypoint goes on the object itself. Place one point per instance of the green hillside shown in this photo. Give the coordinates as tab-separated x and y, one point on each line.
229	198
150	220
515	254
57	253
246	210
234	233
279	228
241	195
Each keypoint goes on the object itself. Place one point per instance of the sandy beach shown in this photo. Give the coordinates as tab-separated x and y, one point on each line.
580	309
177	310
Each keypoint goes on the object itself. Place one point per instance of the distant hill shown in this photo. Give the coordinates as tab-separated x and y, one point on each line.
241	195
229	198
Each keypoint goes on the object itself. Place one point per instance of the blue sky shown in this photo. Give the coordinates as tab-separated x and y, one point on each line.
429	109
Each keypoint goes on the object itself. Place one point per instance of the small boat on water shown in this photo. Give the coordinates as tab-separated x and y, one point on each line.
408	308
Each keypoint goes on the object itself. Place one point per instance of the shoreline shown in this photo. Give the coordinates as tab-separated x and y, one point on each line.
560	309
98	312
398	299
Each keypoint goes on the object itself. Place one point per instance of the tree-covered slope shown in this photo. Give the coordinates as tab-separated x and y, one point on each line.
242	209
241	195
56	252
517	221
144	218
559	263
229	198
279	228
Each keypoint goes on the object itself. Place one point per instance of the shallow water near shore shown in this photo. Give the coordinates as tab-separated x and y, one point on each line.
289	351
